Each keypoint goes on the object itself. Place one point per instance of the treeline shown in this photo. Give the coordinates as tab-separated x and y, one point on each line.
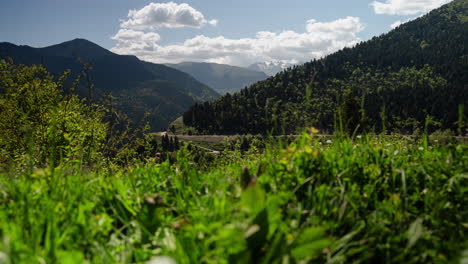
151	147
414	77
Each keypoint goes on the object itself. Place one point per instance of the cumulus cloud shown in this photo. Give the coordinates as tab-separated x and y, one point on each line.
399	22
406	7
318	40
343	25
396	24
137	40
169	15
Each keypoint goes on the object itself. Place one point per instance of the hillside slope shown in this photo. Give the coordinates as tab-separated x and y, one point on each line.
416	74
222	78
137	86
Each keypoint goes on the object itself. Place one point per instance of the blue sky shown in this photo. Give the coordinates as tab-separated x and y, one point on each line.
222	31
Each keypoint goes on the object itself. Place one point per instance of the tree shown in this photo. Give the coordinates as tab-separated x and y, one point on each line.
351	113
39	124
173	129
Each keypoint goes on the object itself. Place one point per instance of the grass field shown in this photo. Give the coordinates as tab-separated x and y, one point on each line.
371	200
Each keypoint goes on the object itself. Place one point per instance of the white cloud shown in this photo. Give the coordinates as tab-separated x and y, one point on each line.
343	25
396	24
399	22
137	40
406	7
319	39
170	15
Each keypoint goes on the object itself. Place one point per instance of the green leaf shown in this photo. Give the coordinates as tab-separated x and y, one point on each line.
310	243
414	232
253	198
70	257
310	250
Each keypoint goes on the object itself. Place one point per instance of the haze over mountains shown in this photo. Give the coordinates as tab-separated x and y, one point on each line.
271	67
222	78
138	87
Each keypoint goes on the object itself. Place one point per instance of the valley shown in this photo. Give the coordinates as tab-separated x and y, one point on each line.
137	87
222	78
241	132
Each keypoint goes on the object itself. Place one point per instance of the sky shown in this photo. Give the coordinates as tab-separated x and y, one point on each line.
236	32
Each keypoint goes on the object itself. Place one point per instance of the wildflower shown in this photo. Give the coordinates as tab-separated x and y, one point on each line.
388	144
329	141
359	136
421	148
313	131
396	152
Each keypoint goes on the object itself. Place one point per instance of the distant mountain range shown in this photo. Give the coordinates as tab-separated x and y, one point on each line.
270	67
222	78
137	86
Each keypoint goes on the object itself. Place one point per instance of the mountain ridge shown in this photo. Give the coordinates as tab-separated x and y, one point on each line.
222	78
139	86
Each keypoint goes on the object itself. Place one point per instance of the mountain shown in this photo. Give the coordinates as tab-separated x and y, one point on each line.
413	78
137	86
222	78
270	67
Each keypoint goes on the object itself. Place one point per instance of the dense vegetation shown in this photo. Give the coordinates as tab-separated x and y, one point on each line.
77	188
42	125
414	75
38	120
137	87
222	78
80	184
314	201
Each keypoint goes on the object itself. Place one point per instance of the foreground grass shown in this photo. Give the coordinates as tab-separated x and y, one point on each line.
367	201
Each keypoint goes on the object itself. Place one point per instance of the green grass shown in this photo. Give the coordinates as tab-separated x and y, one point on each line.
372	200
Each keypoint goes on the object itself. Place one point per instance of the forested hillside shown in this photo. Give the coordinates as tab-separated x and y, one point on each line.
414	77
222	78
75	190
137	87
